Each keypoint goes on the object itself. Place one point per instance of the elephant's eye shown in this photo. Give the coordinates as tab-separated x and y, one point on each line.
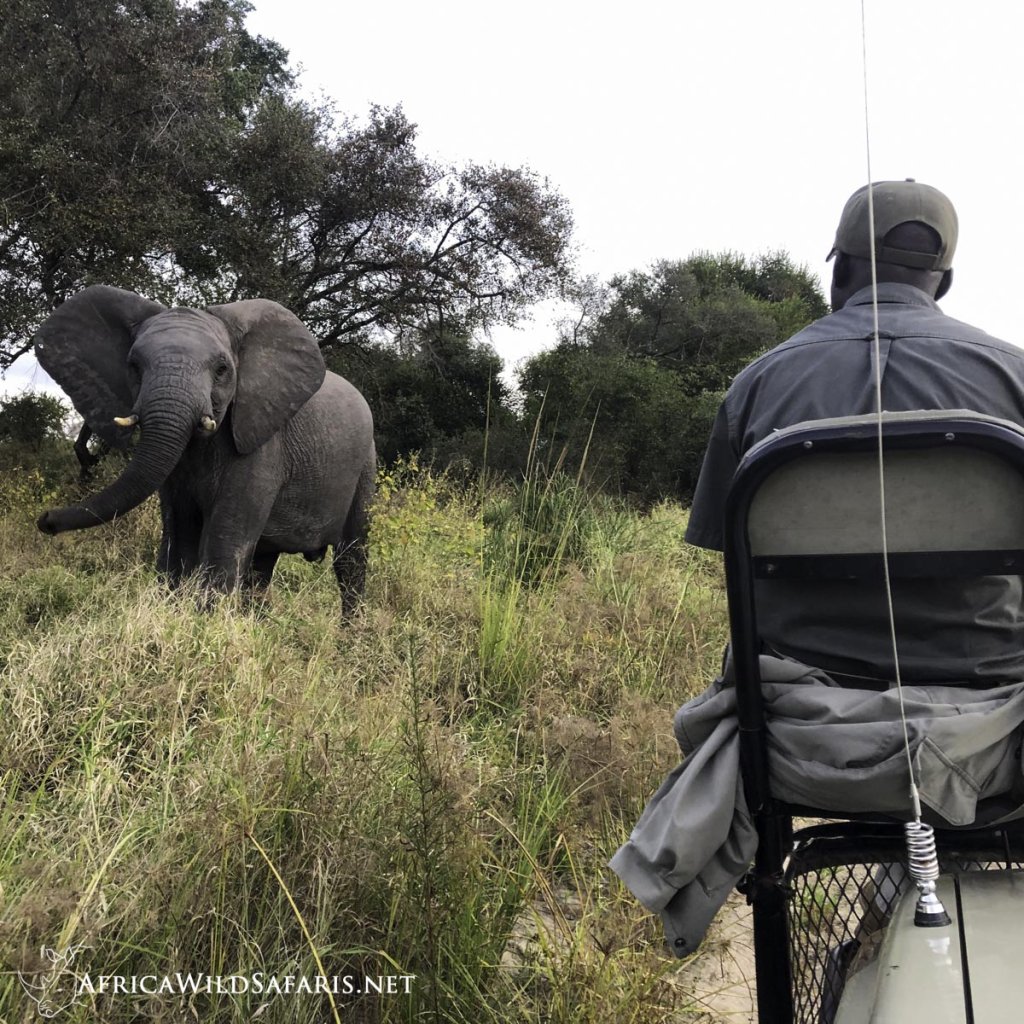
221	371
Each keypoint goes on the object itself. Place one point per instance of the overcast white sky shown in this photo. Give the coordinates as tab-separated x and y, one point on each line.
678	126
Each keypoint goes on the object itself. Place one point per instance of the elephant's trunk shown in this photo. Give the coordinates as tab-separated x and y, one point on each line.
168	424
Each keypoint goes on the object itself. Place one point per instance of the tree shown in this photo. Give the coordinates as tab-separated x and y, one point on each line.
437	394
626	420
31	419
707	316
365	238
116	120
159	146
633	385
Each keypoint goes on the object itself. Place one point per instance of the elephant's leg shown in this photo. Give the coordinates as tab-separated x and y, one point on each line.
86	460
178	555
349	556
232	530
349	564
263	563
225	563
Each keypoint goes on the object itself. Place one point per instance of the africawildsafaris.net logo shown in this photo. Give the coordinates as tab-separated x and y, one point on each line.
55	986
63	981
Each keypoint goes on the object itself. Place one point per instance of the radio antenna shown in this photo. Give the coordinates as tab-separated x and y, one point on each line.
922	858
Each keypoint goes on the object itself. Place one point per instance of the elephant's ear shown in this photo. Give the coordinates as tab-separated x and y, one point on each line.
83	346
279	368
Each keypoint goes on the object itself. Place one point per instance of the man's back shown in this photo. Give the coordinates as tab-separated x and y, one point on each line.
957	631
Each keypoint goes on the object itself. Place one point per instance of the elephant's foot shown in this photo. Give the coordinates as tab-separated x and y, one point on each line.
349	565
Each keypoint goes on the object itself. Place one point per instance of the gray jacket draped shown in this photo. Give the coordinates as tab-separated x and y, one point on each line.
832	748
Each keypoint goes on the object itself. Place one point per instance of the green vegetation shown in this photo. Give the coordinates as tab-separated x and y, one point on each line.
433	789
31	421
438	395
158	145
628	395
632	387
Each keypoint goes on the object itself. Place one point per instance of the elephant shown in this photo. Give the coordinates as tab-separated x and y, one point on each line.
255	448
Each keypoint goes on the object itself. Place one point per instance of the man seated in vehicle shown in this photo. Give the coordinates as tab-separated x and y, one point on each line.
950	630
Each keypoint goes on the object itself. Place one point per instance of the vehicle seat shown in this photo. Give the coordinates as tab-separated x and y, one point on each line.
805	505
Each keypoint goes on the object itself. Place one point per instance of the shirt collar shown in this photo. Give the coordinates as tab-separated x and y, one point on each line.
890	291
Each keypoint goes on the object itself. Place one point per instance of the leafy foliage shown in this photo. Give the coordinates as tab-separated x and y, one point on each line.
375	238
633	424
412	512
32	418
435	395
117	120
28	489
707	316
157	145
633	385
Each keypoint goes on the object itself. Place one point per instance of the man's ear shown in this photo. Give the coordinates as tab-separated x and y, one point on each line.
841	270
947	280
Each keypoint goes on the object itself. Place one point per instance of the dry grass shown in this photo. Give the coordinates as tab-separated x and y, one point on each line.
432	789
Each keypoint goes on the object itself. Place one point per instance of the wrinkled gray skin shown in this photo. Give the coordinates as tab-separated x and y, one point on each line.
288	466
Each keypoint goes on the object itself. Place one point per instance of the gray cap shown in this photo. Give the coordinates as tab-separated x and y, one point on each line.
897	202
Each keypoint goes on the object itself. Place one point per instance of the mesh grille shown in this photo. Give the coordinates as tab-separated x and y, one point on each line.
843	882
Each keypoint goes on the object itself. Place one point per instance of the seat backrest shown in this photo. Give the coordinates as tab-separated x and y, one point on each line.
937	499
954	485
804	504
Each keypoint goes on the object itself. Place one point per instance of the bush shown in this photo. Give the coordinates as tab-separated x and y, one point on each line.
32	419
631	422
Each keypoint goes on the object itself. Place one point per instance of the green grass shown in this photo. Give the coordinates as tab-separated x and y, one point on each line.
432	789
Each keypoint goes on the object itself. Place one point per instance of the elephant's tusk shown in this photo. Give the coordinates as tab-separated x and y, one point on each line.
208	423
126	421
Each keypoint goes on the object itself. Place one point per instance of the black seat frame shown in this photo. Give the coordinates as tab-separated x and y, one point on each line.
765	885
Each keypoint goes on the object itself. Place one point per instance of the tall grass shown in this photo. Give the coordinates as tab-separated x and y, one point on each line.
432	789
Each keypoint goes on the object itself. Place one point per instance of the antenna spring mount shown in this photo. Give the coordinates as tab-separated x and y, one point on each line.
923	863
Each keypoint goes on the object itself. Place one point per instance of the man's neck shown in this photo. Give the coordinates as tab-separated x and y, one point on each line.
892	291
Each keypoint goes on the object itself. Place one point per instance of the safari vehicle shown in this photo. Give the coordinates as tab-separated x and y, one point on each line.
841	933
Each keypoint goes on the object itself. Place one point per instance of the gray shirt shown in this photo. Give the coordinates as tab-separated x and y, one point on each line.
947	630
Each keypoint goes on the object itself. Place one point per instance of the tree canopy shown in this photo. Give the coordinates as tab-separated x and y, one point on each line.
438	395
158	145
625	419
116	121
706	316
30	419
632	386
369	236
